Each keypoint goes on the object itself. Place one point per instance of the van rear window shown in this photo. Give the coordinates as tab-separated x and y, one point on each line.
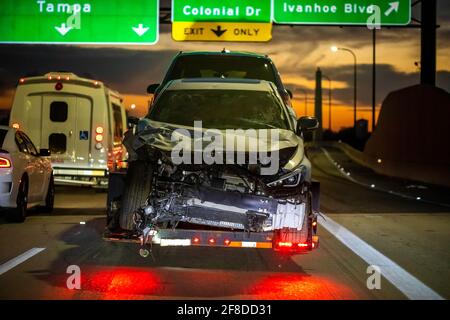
57	143
2	136
58	111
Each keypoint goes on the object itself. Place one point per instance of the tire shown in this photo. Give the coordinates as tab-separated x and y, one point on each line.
50	197
137	189
19	213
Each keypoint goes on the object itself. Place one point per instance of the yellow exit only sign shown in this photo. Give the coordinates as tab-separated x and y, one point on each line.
223	31
224	20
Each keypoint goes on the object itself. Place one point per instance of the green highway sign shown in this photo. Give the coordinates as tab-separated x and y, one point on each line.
79	21
342	12
221	11
222	20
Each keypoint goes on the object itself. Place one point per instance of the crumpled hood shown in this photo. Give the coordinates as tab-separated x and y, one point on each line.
165	136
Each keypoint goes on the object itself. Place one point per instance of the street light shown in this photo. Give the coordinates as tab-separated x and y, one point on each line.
306	99
329	100
336	49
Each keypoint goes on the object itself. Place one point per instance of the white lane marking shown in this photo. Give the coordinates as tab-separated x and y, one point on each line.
373	186
19	259
409	285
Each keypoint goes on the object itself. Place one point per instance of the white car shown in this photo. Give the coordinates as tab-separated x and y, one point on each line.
26	177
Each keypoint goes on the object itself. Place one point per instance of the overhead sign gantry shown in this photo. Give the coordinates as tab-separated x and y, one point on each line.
225	20
137	21
79	21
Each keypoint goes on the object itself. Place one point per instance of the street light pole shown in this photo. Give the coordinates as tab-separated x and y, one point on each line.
355	66
329	100
374	76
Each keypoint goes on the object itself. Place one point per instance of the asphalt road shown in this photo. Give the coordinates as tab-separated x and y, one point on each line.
413	234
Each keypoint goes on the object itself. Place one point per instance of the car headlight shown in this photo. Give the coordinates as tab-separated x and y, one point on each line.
291	179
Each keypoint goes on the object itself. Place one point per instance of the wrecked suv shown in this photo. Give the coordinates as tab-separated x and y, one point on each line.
217	162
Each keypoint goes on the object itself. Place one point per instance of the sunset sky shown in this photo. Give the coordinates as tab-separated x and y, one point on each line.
297	53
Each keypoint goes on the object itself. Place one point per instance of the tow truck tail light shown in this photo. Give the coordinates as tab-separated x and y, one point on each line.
212	241
5	163
227	242
196	240
283	244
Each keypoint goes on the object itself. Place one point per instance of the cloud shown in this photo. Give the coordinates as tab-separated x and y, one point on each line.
128	71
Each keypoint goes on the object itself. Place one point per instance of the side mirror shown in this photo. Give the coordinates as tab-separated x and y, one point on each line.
152	88
291	95
307	124
132	121
44	153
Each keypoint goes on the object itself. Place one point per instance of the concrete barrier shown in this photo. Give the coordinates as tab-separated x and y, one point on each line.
436	174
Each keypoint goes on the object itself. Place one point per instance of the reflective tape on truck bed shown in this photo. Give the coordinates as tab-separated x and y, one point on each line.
250	244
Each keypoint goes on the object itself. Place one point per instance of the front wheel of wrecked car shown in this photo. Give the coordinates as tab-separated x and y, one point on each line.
136	191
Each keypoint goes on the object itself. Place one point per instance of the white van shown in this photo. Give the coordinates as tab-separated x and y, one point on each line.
81	122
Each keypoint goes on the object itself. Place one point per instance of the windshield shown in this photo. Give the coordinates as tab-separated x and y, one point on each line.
220	109
215	66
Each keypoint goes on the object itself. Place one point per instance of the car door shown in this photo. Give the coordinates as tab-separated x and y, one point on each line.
40	168
66	123
29	166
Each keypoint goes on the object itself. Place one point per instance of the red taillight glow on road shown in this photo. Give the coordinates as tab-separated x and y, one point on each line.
295	287
118	283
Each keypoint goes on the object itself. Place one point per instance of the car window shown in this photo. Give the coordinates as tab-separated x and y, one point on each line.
3	133
221	66
21	143
220	109
118	124
30	146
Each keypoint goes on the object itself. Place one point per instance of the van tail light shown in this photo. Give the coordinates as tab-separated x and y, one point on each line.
5	163
99	134
99	137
